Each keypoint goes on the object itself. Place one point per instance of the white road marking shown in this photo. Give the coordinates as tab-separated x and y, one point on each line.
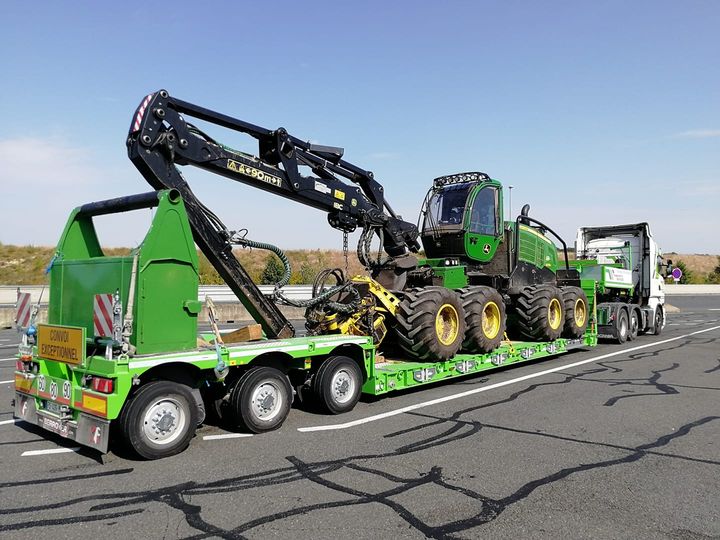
13	421
226	436
50	451
6	382
713	309
8	359
421	405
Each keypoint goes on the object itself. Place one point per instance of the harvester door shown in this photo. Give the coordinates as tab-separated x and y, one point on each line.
483	224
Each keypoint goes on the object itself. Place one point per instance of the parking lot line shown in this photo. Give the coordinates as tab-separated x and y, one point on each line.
49	451
226	436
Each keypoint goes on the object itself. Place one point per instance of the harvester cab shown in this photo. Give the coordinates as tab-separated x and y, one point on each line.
463	217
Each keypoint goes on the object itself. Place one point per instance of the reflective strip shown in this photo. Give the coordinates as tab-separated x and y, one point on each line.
103	315
141	113
24	309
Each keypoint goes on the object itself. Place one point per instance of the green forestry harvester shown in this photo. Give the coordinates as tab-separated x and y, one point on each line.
479	271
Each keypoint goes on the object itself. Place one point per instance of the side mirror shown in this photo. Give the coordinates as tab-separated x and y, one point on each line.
667	270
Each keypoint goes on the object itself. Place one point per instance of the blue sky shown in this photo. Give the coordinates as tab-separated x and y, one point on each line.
597	112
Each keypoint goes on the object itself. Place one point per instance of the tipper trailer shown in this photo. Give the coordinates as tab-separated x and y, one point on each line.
152	376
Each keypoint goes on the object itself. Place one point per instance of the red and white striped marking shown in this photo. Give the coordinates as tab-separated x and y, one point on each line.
103	315
141	113
24	309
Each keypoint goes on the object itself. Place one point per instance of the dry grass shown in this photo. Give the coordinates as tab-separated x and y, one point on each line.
25	265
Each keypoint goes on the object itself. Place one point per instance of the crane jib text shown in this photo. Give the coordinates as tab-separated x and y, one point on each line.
252	172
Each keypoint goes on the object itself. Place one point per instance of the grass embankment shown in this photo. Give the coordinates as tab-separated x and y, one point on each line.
25	265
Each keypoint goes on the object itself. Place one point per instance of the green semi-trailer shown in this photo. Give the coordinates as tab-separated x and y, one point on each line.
138	362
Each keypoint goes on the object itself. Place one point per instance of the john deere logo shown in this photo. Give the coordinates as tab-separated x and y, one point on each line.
486	248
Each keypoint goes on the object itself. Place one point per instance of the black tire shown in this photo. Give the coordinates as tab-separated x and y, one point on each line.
337	384
634	325
540	315
159	419
659	320
260	401
576	312
622	327
430	323
485	319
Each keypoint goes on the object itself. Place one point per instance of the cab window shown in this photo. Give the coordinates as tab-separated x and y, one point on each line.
483	218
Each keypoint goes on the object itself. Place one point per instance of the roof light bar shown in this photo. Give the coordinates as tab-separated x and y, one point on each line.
460	178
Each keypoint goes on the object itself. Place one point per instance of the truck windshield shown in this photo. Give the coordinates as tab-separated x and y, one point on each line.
446	207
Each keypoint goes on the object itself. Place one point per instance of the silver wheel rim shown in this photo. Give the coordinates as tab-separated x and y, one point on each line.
623	327
266	401
342	386
164	421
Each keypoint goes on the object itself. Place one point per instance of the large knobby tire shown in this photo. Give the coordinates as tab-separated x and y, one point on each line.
159	419
337	384
430	323
634	325
485	319
540	313
576	312
622	327
260	401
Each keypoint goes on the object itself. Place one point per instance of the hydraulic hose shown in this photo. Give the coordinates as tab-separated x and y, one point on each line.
318	296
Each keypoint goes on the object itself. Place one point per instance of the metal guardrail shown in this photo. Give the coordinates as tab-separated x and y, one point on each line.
219	293
222	293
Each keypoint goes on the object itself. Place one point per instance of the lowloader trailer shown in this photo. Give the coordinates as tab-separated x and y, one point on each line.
121	356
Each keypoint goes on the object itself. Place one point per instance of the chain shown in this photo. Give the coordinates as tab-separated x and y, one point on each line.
345	254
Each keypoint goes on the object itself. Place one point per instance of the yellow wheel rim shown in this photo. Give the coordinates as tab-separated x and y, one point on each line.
491	320
554	314
447	324
580	313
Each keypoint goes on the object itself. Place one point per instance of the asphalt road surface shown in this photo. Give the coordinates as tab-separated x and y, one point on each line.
619	441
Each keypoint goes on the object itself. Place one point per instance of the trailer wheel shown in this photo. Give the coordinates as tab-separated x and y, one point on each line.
540	312
430	323
634	327
484	319
576	312
621	326
159	419
261	399
337	384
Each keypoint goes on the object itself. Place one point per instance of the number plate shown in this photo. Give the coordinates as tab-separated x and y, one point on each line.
52	407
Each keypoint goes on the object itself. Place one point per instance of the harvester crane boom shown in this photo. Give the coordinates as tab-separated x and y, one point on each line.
160	140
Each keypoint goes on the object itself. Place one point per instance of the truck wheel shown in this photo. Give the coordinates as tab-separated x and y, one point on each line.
540	313
261	399
634	327
659	321
484	319
430	323
159	419
337	384
621	327
576	312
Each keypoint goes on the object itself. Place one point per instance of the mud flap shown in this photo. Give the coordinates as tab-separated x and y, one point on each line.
87	430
